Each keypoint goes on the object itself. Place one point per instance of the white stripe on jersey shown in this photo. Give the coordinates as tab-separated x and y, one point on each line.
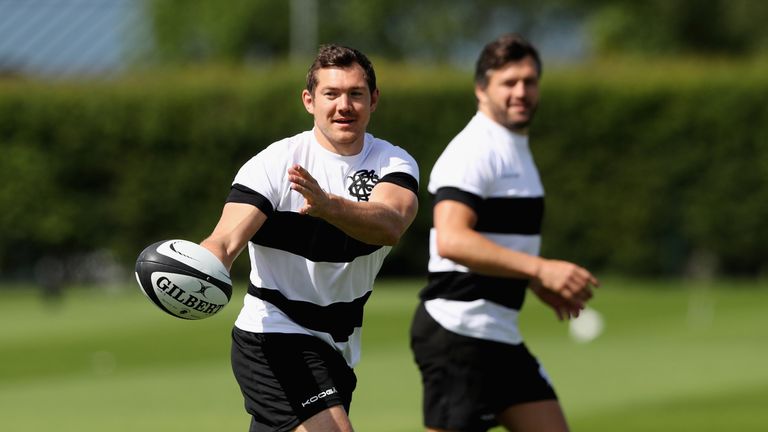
481	319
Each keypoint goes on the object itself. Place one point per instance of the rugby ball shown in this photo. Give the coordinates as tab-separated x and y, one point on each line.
183	279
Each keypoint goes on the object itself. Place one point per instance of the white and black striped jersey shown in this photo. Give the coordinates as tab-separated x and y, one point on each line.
307	276
490	169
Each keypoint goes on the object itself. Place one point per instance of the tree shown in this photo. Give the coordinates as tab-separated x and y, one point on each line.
238	30
439	30
672	27
231	31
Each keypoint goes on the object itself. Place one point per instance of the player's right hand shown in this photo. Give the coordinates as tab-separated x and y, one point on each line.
573	283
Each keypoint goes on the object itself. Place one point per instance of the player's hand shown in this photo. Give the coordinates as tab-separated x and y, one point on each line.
571	282
563	309
316	199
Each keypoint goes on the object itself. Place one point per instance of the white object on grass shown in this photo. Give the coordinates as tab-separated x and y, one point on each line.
587	327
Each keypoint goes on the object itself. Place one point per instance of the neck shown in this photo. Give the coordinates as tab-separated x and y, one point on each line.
512	127
340	148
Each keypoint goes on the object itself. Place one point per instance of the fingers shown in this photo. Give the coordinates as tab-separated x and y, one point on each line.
316	199
300	179
580	290
577	295
567	311
564	308
571	283
303	182
297	169
580	284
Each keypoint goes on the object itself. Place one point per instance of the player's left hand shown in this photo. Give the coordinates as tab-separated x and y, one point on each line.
317	200
564	308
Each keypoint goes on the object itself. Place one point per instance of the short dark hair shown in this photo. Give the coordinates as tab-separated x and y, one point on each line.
510	47
340	56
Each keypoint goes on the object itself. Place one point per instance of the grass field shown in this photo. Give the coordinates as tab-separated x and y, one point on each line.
673	357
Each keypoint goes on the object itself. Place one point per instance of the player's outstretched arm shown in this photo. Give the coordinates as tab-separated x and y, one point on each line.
238	224
381	221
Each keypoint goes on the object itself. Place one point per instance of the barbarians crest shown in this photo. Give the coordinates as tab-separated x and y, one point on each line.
363	182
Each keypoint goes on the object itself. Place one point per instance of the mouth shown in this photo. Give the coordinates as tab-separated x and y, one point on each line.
344	121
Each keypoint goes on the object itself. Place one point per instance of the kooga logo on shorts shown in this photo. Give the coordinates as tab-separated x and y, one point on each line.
319	396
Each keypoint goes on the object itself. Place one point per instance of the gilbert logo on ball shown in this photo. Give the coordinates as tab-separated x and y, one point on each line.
183	279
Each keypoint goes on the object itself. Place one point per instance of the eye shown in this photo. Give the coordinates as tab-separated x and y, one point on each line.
510	83
531	81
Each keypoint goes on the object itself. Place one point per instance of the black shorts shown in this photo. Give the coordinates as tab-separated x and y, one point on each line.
287	378
468	381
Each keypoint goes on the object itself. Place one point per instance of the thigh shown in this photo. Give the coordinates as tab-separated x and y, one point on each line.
334	419
286	379
540	416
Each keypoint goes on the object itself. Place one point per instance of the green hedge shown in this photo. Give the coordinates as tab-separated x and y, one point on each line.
644	170
647	174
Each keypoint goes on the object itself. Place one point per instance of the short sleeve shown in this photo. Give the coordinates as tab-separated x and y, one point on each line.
463	167
256	181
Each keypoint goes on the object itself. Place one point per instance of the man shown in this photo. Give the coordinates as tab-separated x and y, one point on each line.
319	212
484	244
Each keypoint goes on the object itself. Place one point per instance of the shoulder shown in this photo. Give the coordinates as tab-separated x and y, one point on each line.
287	145
471	147
390	154
394	164
384	147
282	151
276	157
474	141
468	162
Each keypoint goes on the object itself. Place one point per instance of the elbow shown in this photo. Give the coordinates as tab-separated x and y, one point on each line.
390	237
448	247
391	234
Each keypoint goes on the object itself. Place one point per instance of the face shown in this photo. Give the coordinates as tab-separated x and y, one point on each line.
342	105
512	95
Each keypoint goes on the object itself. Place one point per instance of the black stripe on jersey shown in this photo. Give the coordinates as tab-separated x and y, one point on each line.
455	194
245	195
514	215
472	286
310	237
403	180
337	319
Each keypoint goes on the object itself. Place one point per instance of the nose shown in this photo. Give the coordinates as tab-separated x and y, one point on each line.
519	90
345	102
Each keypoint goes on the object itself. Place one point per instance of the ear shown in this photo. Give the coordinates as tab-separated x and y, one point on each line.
306	98
480	94
374	99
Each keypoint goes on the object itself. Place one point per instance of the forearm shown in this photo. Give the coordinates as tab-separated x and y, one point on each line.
381	220
369	222
220	248
571	283
238	223
481	255
458	241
